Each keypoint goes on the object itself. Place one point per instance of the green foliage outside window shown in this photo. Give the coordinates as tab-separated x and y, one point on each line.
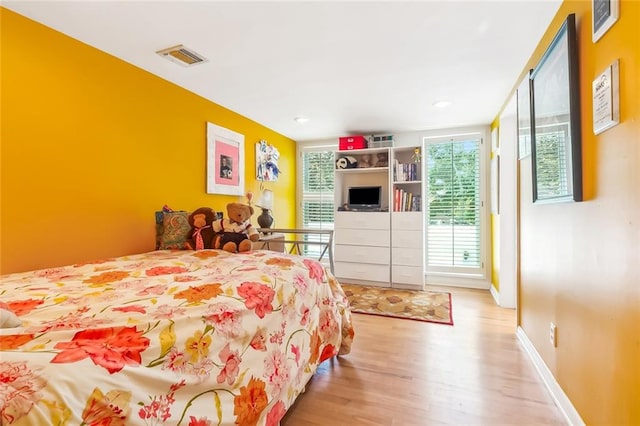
318	171
551	163
454	186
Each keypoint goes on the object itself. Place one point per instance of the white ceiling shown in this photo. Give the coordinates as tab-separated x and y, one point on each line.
350	67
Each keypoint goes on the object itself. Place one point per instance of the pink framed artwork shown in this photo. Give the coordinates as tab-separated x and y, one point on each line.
225	161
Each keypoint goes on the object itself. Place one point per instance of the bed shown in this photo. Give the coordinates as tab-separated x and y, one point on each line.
169	337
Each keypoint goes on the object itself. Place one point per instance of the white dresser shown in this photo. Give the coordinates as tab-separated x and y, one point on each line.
363	247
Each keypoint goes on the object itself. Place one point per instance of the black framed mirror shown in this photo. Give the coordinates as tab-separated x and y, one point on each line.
556	134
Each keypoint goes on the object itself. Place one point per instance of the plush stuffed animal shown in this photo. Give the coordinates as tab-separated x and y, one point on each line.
365	161
202	233
235	232
383	159
346	162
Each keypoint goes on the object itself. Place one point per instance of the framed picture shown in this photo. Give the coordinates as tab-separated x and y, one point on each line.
267	162
524	118
605	14
556	136
225	161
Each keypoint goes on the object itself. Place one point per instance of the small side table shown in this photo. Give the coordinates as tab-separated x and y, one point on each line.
273	241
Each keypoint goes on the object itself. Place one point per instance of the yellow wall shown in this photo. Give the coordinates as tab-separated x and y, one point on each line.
92	146
580	262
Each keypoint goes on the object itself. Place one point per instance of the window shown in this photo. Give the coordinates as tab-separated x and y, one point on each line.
454	209
317	195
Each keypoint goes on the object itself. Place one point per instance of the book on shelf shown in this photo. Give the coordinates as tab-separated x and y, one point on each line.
405	172
416	204
405	201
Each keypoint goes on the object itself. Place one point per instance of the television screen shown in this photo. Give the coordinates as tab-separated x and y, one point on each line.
364	197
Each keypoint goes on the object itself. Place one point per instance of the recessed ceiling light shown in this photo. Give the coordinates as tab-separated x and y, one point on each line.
301	120
441	104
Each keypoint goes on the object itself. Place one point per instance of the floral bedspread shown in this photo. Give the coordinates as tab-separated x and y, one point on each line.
168	338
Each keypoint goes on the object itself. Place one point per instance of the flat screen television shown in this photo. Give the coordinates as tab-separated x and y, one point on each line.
364	197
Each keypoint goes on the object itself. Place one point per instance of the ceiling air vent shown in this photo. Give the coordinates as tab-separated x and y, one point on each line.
182	55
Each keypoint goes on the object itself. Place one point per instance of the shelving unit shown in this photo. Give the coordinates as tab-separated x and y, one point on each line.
407	180
386	247
363	240
363	176
407	219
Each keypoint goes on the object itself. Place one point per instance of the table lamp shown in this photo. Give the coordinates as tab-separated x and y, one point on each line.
265	220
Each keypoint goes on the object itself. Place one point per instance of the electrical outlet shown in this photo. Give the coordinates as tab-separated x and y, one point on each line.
553	335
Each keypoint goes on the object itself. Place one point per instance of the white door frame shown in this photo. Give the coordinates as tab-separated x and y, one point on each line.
508	213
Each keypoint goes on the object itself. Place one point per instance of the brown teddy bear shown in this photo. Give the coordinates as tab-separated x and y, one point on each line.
235	233
201	234
365	161
383	160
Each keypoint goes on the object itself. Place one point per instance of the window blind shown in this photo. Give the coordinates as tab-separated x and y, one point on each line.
553	170
453	204
317	195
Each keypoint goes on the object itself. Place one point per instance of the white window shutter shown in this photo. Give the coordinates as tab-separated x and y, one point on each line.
453	205
317	193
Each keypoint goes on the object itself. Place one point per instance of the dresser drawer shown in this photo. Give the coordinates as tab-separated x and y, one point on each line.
362	271
358	254
360	237
407	275
407	257
362	220
407	220
407	239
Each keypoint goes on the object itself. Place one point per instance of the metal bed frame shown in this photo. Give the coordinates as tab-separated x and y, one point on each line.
299	240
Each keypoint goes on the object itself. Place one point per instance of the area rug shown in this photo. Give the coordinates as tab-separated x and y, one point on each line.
429	306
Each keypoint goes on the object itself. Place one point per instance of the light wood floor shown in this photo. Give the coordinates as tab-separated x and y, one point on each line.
403	372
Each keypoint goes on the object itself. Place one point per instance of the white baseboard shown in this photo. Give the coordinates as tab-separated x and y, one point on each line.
495	294
560	398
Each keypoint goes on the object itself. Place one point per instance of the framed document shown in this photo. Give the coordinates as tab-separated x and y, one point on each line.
606	99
